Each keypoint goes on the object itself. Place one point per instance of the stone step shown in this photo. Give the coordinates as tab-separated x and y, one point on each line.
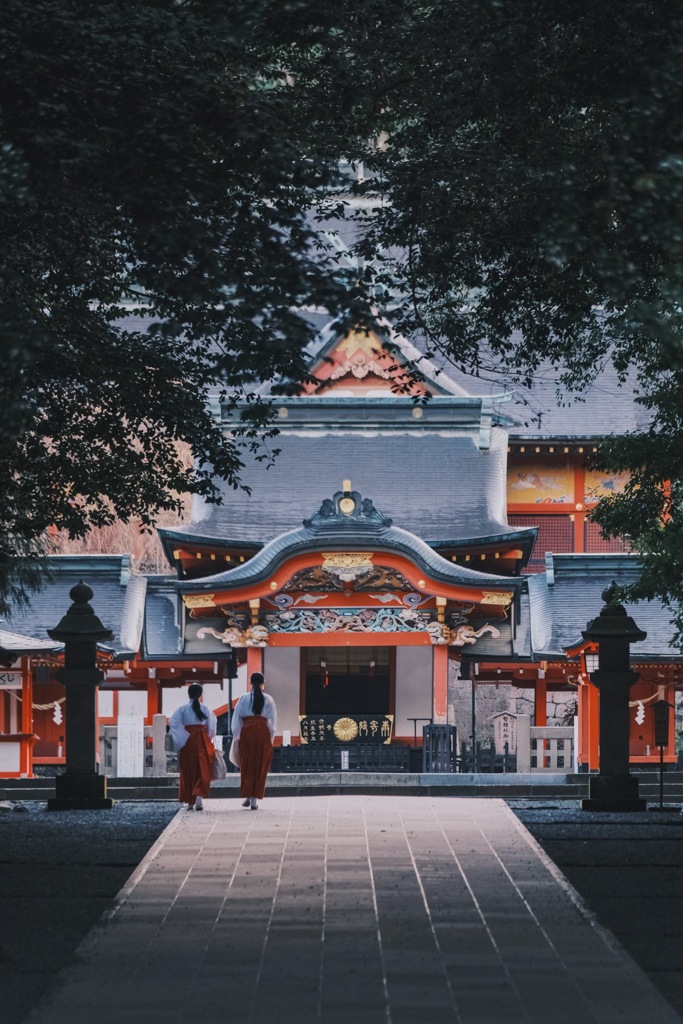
530	786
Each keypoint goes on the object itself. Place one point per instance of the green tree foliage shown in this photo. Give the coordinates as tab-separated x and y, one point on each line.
523	203
529	202
151	172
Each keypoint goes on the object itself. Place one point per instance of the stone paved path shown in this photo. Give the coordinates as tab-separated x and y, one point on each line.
362	910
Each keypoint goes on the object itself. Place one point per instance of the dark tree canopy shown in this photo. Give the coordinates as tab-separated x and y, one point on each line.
523	202
529	187
150	171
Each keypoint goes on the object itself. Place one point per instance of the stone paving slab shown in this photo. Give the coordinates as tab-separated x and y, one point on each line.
361	909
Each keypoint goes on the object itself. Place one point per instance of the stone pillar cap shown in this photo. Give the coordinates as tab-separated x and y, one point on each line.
80	622
613	622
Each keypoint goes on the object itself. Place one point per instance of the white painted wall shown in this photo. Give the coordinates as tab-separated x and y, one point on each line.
282	671
414	683
10	756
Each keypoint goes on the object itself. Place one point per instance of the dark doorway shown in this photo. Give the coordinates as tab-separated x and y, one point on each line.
348	680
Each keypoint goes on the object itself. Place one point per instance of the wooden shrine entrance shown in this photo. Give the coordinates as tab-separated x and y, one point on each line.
352	620
347	680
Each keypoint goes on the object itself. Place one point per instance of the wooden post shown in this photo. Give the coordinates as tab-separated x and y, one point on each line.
540	702
254	660
27	717
593	705
153	700
540	714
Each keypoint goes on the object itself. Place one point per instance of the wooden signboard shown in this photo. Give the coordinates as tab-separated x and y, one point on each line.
10	679
346	728
660	709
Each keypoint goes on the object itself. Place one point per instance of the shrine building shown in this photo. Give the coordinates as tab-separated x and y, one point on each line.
409	535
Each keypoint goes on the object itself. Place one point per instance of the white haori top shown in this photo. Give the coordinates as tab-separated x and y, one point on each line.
184	715
245	709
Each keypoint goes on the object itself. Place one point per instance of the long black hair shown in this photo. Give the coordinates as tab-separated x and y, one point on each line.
257	698
194	692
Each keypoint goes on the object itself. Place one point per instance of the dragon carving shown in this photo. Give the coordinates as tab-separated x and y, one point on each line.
466	634
255	636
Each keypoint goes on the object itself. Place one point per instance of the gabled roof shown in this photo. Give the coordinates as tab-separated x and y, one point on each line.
543	409
568	595
332	528
119	599
341	355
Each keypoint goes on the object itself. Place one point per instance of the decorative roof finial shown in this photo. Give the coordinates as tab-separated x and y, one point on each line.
348	509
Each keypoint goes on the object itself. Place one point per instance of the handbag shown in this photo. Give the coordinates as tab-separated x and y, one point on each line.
234	755
218	768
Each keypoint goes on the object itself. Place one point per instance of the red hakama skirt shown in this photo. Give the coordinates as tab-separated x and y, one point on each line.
256	754
195	762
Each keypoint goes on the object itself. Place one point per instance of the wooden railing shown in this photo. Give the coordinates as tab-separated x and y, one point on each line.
544	748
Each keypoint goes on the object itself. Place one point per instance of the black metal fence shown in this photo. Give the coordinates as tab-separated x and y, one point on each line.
363	757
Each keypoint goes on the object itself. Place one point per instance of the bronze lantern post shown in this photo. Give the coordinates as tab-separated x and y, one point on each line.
81	787
614	788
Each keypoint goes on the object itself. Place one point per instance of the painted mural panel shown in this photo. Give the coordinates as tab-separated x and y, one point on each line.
548	483
599	484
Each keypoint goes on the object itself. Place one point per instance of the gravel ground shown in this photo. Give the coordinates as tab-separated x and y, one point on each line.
629	870
59	872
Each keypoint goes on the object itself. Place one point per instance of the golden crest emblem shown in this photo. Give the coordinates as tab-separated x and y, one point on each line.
345	729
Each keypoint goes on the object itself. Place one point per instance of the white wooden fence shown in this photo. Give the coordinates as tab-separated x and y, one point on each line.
130	752
544	748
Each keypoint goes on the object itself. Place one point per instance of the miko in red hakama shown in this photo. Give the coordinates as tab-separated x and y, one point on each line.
195	762
256	754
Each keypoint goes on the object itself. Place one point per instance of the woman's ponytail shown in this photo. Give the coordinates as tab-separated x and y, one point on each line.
194	692
257	698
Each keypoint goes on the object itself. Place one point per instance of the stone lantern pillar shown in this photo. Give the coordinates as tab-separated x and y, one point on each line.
81	787
614	788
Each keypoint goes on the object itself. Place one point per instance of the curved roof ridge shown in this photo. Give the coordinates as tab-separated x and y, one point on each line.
346	522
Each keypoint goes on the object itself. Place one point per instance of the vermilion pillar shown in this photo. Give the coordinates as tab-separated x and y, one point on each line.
540	702
440	686
153	700
26	717
254	660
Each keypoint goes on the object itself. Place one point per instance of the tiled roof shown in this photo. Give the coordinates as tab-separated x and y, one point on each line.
441	488
17	644
544	409
328	530
566	598
118	599
162	636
